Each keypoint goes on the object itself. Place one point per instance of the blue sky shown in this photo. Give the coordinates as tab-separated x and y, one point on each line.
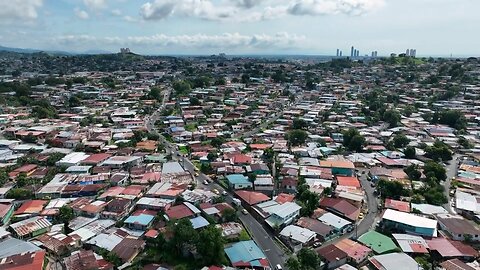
433	27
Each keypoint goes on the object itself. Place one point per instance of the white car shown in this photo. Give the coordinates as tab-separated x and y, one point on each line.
205	182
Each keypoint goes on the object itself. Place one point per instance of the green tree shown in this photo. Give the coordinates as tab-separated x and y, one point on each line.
3	177
453	118
464	143
65	214
229	215
306	259
19	194
195	101
413	172
184	236
410	152
299	124
400	141
392	117
217	141
438	151
352	140
296	137
210	246
156	93
181	87
436	170
391	189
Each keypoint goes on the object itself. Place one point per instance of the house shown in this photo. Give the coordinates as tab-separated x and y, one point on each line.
281	214
339	224
324	232
86	260
339	167
356	252
456	264
128	249
31	227
258	168
250	198
394	261
6	212
246	254
378	242
30	208
341	207
140	220
184	210
458	227
332	256
411	243
409	223
238	181
31	261
447	249
397	205
297	237
72	159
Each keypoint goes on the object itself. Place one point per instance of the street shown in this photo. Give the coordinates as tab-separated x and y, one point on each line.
451	169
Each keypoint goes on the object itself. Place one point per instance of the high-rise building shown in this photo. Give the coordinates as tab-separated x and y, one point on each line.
352	52
413	52
341	53
338	52
407	53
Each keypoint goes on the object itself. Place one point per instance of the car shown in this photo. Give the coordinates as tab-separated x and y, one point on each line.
215	191
278	267
372	184
361	216
195	169
224	193
205	182
244	211
317	244
196	174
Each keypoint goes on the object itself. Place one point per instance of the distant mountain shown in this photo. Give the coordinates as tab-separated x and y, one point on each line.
18	50
21	50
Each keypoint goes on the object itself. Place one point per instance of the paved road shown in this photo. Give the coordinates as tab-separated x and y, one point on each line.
372	204
452	170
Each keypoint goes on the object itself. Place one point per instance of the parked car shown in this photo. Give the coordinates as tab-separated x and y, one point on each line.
224	193
205	182
244	211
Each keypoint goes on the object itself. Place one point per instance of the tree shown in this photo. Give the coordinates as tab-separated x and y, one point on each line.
181	87
65	214
306	259
413	172
74	101
464	143
229	215
453	118
3	177
299	124
296	137
195	101
410	152
439	151
391	189
352	140
392	117
210	246
184	236
400	141
436	170
156	93
217	141
19	194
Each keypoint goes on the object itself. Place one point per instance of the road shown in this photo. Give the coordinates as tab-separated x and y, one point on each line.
452	169
372	204
264	240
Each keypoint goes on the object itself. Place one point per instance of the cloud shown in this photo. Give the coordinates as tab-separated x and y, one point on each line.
81	14
227	41
329	7
116	12
19	10
95	4
253	10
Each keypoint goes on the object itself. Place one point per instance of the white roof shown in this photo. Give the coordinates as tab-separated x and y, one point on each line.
406	240
429	209
334	220
396	261
409	219
283	210
466	201
297	233
73	158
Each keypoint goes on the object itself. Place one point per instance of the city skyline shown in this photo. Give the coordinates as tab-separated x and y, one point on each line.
304	27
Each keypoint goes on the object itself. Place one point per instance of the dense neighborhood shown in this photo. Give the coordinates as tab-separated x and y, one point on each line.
129	162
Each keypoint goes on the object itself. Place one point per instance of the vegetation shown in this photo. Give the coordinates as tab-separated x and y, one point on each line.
353	141
306	259
308	200
296	137
439	151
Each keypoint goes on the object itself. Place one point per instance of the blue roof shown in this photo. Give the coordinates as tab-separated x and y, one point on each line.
199	222
142	219
237	179
244	251
177	129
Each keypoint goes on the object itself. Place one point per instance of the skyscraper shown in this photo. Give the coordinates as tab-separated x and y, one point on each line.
352	52
338	52
341	53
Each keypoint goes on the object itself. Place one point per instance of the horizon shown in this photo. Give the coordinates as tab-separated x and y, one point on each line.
243	27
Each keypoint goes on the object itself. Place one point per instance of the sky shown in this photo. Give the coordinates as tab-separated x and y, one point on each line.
171	27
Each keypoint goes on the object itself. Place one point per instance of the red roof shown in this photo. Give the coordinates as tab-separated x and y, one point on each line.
341	206
349	181
260	146
24	261
397	205
242	159
179	212
283	198
96	158
151	233
30	207
252	197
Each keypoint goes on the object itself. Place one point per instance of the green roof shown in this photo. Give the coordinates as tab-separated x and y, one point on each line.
378	242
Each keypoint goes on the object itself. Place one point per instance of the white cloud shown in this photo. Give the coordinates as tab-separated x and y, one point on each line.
253	10
81	14
19	10
95	4
117	12
227	41
327	7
